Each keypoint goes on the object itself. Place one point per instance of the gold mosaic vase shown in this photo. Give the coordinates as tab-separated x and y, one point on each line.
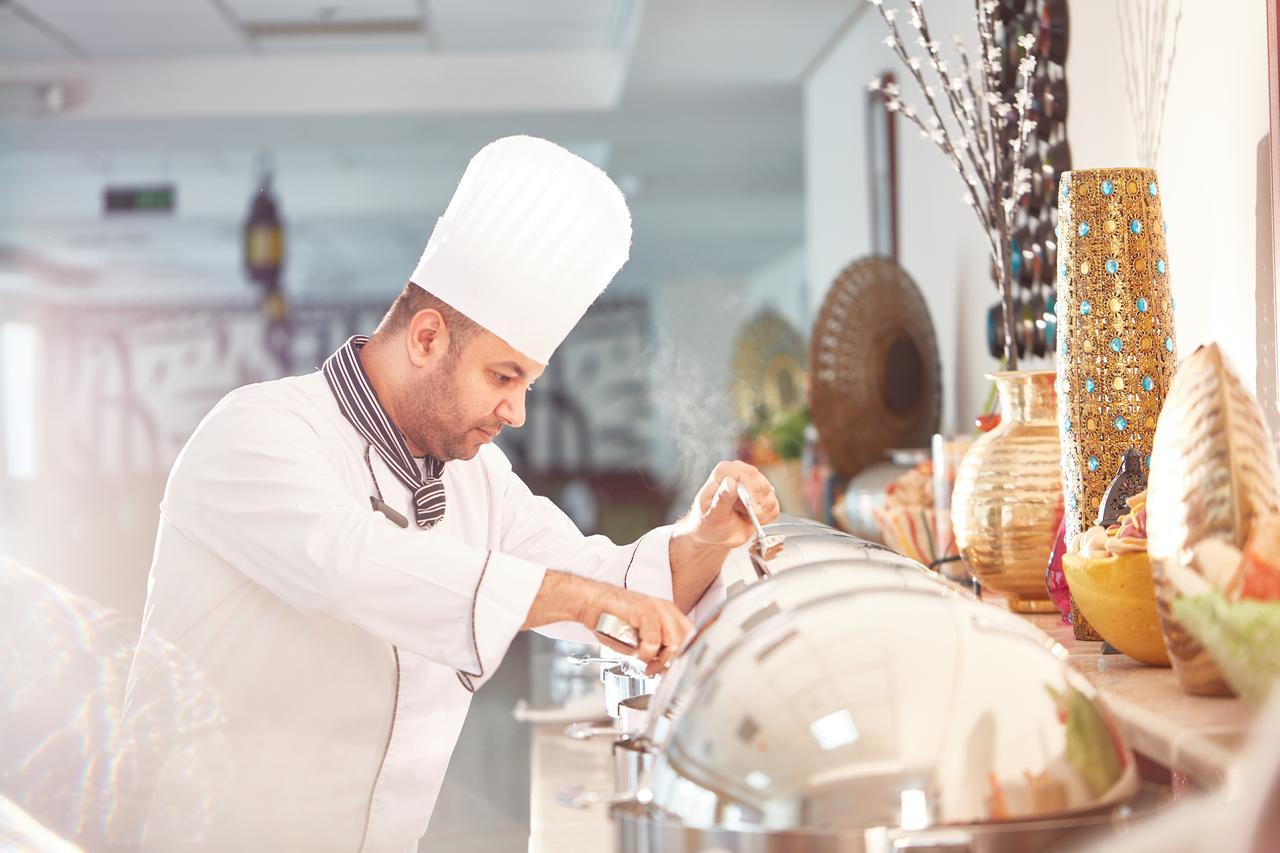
1116	350
1008	493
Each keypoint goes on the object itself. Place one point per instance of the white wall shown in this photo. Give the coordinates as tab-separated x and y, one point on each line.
1216	118
781	284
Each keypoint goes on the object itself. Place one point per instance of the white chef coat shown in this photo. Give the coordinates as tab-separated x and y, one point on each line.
340	646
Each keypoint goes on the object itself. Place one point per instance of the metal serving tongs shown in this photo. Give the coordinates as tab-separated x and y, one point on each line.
766	546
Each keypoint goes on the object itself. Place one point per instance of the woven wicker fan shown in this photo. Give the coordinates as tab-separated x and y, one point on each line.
873	366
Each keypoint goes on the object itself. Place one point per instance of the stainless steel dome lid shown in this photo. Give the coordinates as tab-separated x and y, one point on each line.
785	519
755	604
807	544
896	709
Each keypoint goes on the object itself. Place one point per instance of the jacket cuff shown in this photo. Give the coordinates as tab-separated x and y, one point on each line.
649	568
650	573
504	594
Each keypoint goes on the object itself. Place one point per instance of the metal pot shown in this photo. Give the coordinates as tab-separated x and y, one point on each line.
633	714
894	718
621	683
632	760
632	719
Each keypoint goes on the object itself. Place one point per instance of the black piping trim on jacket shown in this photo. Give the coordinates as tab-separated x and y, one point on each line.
464	676
634	551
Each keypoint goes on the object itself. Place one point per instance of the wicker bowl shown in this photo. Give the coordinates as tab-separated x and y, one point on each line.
1213	471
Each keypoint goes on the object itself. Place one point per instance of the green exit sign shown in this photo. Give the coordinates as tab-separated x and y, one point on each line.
160	198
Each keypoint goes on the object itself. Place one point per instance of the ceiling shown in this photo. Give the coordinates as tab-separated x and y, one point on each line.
128	29
369	110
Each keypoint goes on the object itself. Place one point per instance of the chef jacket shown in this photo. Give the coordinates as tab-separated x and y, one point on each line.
342	649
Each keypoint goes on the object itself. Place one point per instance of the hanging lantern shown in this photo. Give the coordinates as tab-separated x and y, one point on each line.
264	239
264	264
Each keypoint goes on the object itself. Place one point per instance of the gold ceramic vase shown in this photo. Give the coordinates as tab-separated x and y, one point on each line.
1116	350
1008	493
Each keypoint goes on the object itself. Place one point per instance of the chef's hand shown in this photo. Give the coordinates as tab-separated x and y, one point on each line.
661	626
718	518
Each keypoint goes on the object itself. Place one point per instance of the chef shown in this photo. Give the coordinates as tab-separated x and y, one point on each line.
344	557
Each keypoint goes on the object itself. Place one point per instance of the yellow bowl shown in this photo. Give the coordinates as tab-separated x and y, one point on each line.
1118	597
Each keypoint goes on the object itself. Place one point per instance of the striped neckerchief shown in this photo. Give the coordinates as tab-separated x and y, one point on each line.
359	405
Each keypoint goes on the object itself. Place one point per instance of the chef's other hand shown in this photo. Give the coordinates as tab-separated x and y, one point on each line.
718	517
660	624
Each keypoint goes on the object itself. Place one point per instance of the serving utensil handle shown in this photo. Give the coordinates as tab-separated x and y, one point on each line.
745	497
618	630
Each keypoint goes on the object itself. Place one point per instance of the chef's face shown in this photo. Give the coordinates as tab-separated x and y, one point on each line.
466	397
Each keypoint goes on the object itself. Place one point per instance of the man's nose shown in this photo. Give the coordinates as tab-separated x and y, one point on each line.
511	410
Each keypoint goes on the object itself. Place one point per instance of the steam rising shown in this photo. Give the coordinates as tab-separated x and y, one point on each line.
695	413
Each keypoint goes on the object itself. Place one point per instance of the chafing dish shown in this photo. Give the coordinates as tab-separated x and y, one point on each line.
879	719
645	720
752	605
744	608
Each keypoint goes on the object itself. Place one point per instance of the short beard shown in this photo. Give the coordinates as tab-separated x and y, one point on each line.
430	418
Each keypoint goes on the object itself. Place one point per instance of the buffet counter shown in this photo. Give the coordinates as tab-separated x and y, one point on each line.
1197	739
559	763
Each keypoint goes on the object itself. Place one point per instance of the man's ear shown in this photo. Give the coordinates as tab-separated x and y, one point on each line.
427	338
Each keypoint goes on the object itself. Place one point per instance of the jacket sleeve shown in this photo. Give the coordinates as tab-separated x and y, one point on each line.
536	529
256	487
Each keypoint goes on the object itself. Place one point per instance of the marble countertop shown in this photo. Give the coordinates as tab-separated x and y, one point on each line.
558	764
1199	737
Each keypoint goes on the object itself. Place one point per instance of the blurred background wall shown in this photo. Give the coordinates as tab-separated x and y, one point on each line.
121	328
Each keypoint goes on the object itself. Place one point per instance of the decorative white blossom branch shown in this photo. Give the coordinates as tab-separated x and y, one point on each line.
972	134
1144	37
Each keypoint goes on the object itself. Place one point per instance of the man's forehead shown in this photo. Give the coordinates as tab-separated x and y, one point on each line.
498	353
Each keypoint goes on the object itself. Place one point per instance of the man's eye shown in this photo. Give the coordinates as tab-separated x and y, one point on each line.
502	379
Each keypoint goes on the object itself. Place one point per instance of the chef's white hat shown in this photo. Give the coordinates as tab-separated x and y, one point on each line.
532	236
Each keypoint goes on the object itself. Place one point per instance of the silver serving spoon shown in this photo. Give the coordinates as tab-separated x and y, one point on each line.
766	546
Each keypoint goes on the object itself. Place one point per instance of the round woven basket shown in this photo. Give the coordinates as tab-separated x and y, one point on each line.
875	380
